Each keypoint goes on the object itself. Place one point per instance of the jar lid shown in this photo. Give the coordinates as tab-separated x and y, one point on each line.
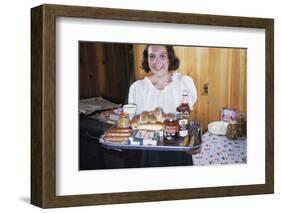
171	118
182	107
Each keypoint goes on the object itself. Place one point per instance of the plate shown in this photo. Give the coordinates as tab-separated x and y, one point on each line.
218	127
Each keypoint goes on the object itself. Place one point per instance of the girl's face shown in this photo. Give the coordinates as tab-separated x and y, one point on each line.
158	60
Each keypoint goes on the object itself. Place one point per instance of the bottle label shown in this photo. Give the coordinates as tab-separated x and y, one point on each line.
171	132
183	133
183	127
183	122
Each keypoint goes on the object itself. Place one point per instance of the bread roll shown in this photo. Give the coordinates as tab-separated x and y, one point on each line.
144	117
115	139
135	121
150	126
119	134
120	130
159	114
151	118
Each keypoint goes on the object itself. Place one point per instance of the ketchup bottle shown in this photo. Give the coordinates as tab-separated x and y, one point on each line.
184	112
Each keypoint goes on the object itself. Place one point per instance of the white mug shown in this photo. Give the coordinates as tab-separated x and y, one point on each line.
131	109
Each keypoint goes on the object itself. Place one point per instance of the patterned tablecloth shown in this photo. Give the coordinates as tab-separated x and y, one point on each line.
220	150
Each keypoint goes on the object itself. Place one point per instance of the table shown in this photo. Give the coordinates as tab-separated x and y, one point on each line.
217	149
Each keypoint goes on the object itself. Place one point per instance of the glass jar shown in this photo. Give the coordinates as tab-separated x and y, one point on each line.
123	120
232	131
171	129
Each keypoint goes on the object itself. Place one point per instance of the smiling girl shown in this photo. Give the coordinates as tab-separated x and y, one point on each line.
164	87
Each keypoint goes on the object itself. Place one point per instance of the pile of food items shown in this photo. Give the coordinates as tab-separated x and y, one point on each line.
150	127
146	121
152	120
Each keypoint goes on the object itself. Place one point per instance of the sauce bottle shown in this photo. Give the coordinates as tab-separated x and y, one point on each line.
183	116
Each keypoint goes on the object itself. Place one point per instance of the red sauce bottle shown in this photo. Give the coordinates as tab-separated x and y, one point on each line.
183	116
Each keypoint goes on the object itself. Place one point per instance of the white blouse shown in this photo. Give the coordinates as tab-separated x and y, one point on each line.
147	97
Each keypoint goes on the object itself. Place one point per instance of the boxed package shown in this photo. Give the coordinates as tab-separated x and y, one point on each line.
144	137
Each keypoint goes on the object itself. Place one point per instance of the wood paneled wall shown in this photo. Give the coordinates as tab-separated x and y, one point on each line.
222	70
105	69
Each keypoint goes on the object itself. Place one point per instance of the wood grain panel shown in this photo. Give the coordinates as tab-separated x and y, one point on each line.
198	69
138	55
218	81
106	70
238	84
101	70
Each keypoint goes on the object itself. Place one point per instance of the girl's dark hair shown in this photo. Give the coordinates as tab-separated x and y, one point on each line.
174	62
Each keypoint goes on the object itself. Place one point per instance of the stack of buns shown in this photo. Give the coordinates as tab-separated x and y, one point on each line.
117	135
152	120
